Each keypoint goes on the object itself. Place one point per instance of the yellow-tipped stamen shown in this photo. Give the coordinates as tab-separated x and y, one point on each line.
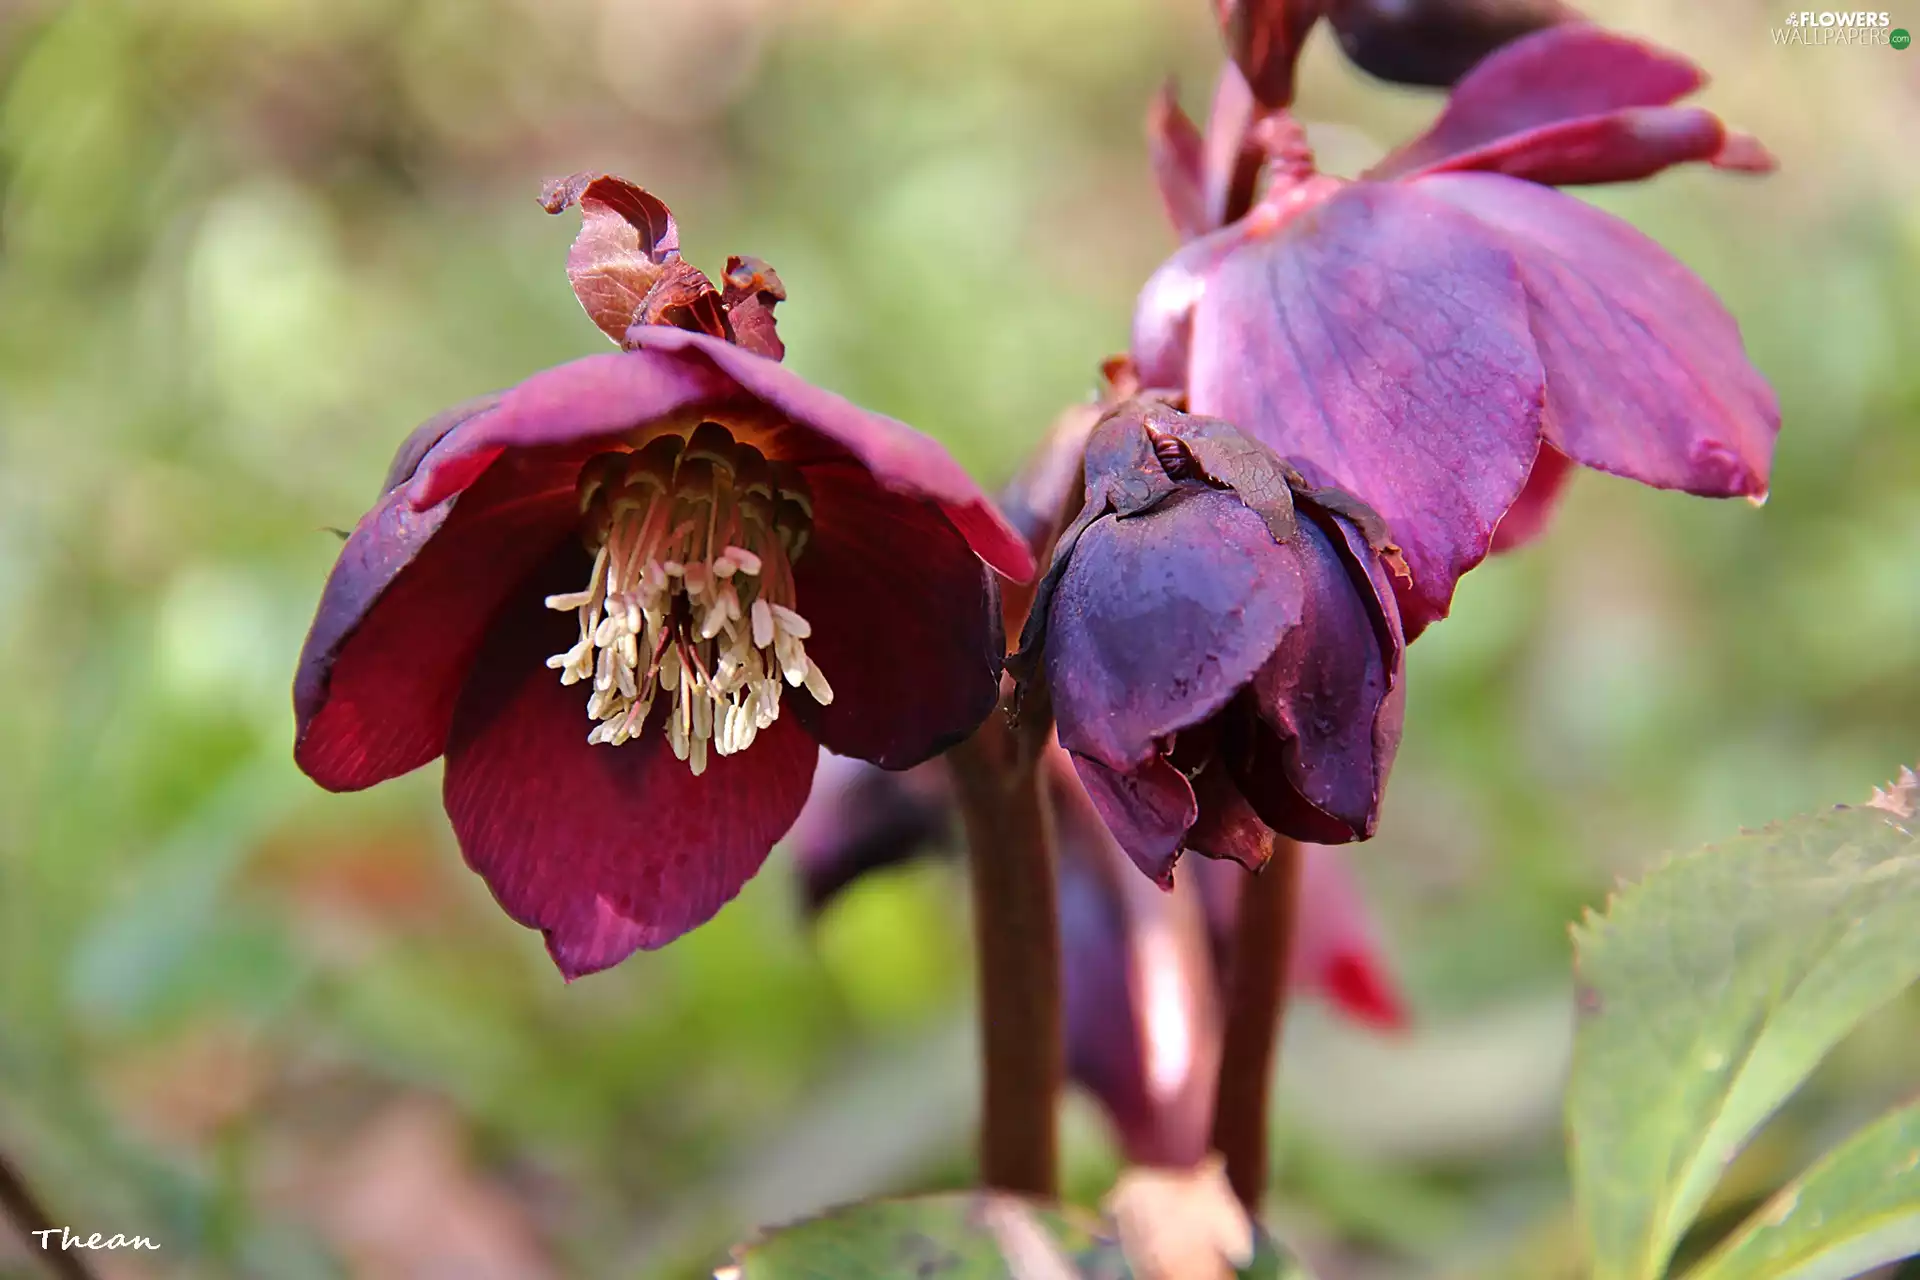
691	593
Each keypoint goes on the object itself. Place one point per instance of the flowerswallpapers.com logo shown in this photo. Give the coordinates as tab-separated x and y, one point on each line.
1834	27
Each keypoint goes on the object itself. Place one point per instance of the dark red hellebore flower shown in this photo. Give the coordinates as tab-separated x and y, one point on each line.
1142	969
1443	337
630	597
1220	645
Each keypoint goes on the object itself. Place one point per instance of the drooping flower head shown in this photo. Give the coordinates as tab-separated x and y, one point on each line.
630	597
1142	969
1444	336
1220	645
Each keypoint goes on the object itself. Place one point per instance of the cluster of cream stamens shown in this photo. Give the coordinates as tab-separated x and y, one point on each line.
692	594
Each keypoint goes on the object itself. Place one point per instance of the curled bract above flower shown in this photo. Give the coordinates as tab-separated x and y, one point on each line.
1220	644
1142	970
628	599
1448	331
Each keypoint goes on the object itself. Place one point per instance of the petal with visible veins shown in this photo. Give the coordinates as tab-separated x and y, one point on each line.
904	624
604	850
1382	343
1646	374
405	609
1148	810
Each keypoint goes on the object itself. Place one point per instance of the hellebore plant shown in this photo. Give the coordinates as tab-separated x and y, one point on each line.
631	598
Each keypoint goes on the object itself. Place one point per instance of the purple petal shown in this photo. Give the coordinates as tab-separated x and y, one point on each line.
583	400
1329	696
904	623
1621	146
1560	74
1148	810
1163	313
1139	995
1646	373
404	611
605	850
1381	343
862	818
899	457
1160	618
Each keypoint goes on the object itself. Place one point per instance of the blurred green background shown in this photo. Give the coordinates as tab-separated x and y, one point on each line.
246	244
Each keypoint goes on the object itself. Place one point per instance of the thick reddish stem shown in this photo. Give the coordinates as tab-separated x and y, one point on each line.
1017	955
1256	1008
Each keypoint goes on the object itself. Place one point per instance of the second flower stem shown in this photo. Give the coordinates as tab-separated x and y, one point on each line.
1003	803
1256	1008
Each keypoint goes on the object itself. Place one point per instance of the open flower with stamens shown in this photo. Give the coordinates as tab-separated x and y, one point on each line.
629	598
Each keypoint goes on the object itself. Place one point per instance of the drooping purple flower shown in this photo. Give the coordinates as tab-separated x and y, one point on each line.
1220	645
1448	330
629	598
1142	968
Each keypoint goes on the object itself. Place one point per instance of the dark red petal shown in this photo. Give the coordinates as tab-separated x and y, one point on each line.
605	850
583	400
1434	42
1336	950
905	625
428	434
862	818
1381	342
1161	618
1227	826
1646	373
404	610
1177	152
1560	74
1527	518
899	457
1148	810
1138	993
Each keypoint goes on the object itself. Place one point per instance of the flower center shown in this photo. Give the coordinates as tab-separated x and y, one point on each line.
692	594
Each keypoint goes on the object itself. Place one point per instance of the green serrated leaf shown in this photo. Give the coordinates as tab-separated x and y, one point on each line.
1709	992
1857	1209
